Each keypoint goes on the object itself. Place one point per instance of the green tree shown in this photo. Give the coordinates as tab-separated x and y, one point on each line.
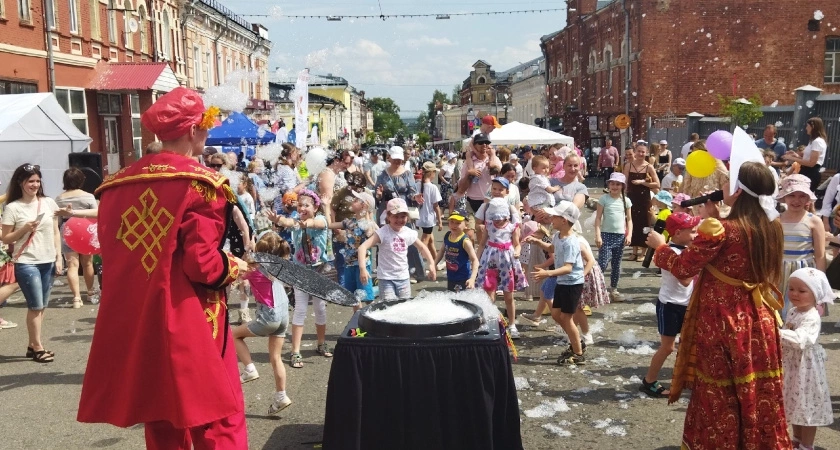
456	95
370	137
422	122
423	138
739	112
386	116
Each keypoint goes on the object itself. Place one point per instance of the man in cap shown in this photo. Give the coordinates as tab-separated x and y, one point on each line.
163	354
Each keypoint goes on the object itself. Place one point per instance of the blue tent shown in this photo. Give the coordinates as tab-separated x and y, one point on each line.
238	130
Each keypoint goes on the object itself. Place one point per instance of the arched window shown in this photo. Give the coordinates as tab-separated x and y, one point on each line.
481	80
166	36
128	36
592	61
576	64
142	23
560	70
608	52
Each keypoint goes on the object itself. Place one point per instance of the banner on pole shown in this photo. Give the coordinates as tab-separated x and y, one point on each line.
302	108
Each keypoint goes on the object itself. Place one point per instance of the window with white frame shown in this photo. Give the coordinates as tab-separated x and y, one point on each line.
23	11
142	21
112	26
74	16
197	70
166	36
136	129
210	78
128	36
832	60
73	102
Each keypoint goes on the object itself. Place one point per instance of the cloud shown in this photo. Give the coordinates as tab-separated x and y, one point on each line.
427	41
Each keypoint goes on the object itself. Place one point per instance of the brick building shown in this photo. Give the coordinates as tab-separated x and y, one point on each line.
681	56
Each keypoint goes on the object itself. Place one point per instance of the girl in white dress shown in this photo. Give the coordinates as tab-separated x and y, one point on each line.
807	400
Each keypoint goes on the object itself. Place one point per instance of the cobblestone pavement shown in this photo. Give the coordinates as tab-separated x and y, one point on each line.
601	407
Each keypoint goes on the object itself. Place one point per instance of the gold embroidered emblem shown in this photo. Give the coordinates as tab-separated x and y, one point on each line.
152	168
213	315
146	226
204	190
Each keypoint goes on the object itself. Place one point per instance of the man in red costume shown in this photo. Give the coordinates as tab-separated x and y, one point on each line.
162	351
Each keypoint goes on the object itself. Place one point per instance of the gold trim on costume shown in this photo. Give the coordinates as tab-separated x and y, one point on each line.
151	168
146	226
213	316
203	190
749	378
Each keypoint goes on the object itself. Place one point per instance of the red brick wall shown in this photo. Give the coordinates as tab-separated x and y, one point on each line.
678	70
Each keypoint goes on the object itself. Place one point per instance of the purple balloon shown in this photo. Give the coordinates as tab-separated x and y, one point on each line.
719	144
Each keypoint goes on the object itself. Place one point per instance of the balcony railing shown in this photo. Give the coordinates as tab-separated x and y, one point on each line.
227	13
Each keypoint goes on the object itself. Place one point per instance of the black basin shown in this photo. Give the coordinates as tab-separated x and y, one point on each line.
404	330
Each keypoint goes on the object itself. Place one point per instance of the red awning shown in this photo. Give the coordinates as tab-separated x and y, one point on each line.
133	77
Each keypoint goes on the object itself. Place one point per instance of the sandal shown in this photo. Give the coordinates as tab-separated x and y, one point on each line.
77	302
655	389
42	356
30	352
296	361
324	350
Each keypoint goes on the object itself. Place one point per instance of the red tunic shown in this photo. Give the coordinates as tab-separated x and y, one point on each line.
729	354
162	348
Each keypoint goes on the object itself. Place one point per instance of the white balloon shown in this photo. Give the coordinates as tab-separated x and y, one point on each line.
316	160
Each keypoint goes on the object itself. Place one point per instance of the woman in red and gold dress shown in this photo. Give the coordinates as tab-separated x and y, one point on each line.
730	356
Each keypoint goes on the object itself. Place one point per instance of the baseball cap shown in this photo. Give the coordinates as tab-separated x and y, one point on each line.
429	166
450	156
503	181
663	142
618	176
396	206
458	214
679	162
680	221
397	152
514	156
481	138
490	120
367	198
564	209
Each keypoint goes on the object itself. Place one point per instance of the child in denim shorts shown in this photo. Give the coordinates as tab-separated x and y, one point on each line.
272	319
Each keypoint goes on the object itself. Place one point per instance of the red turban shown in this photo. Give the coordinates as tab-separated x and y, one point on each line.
172	115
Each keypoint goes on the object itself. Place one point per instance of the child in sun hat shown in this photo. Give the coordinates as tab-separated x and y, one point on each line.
804	231
613	229
806	394
676	203
458	252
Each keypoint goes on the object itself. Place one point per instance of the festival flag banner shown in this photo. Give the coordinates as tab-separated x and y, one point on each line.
301	108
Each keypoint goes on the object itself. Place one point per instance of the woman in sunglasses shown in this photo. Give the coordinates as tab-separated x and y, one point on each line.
29	223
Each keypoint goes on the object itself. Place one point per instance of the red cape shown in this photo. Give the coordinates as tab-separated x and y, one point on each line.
162	348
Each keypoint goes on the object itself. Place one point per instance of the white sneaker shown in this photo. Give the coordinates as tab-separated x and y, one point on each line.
587	339
245	314
279	405
248	376
514	333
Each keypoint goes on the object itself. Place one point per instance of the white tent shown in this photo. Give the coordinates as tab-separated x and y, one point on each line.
35	129
517	133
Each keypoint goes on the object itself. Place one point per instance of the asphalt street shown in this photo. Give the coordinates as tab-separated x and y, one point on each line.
597	406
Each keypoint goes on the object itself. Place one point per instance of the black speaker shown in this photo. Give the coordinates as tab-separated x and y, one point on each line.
91	164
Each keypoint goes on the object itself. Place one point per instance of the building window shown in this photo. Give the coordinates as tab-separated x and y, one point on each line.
210	78
480	80
608	63
482	97
108	104
94	20
128	36
832	60
142	21
73	103
15	87
136	129
166	36
197	71
74	16
23	11
112	26
52	16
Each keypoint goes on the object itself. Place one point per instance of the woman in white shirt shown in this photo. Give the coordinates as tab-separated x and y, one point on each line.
814	156
29	222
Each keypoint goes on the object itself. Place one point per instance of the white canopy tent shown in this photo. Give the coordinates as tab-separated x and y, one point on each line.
517	133
35	129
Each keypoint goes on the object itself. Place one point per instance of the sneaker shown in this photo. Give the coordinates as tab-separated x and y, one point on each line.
245	314
586	310
412	281
616	296
529	321
441	265
279	405
587	339
566	354
574	360
248	376
5	324
514	333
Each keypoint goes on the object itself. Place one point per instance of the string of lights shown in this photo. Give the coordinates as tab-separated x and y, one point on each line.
338	18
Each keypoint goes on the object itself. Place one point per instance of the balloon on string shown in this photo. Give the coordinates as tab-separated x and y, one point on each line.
316	160
81	236
700	164
719	144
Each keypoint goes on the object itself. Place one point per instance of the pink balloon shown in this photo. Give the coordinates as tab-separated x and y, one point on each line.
719	144
81	236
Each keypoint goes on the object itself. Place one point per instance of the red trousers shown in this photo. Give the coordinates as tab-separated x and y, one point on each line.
229	433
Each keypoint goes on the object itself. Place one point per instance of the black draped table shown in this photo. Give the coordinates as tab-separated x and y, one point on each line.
439	393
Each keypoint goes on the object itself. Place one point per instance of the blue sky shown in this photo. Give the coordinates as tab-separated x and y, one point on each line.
402	58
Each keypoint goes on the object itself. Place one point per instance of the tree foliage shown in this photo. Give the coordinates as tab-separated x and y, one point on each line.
740	113
386	116
423	138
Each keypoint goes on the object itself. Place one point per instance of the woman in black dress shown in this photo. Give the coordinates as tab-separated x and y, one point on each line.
641	178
